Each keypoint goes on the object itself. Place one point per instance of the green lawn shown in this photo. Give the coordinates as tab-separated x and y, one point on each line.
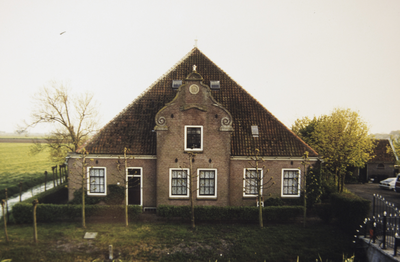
17	164
162	241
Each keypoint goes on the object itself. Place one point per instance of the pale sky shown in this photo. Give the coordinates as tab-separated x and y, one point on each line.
297	58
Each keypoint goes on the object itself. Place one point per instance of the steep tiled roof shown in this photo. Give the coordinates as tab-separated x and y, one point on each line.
133	127
381	152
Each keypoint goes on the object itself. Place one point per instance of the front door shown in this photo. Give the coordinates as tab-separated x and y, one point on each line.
134	186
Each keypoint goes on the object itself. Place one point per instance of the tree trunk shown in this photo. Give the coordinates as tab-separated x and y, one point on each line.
126	188
190	191
5	220
260	215
83	193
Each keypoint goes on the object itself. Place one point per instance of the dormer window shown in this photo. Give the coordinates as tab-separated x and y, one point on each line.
193	138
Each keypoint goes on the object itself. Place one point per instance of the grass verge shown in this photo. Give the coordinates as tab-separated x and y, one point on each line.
161	241
18	165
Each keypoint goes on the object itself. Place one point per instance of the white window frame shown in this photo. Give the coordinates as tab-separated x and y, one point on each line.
187	183
215	183
244	182
298	183
201	137
141	183
88	189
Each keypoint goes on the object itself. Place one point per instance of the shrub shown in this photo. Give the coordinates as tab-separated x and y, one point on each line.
23	212
229	213
349	209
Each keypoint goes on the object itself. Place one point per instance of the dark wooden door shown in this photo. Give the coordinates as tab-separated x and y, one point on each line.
134	185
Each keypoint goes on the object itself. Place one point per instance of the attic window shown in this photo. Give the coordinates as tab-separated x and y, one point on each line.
176	84
194	138
214	85
254	131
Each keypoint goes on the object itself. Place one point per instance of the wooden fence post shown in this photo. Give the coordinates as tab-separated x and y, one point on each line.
5	190
35	202
45	181
54	180
3	202
20	191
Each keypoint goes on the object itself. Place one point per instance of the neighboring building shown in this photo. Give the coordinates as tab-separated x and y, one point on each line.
382	165
194	108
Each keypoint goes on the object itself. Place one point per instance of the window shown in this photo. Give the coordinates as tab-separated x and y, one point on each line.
381	166
207	183
290	182
179	183
97	182
250	182
194	138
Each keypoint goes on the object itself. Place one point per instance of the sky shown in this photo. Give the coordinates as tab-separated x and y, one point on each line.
297	58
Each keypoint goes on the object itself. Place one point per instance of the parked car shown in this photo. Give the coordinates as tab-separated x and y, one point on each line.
389	183
397	185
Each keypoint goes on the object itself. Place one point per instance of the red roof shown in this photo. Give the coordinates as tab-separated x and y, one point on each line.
381	152
133	127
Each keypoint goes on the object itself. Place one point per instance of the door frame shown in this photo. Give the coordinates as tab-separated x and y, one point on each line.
141	183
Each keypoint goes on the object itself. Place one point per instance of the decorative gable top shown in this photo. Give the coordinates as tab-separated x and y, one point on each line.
133	127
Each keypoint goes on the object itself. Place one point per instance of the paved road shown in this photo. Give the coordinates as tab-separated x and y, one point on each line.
367	190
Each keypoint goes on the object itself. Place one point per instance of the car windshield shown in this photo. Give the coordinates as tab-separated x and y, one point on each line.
388	180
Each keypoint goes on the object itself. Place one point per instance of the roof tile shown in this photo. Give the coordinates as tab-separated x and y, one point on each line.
132	128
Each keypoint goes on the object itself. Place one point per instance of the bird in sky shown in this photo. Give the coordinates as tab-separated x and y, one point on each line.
63	32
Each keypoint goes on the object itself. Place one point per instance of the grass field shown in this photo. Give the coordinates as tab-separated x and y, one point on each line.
162	241
17	164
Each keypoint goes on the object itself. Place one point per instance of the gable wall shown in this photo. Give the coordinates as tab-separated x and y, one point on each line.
216	147
380	173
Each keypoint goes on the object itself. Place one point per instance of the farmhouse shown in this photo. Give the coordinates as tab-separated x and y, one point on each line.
194	118
382	165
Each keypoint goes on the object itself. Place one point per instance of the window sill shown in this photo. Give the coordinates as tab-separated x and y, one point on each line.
99	194
193	151
290	196
179	198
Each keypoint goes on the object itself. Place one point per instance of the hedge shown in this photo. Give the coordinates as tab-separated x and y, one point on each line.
229	213
348	209
23	212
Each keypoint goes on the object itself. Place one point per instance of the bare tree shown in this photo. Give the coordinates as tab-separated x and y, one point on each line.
122	176
182	181
74	118
256	180
304	163
80	169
